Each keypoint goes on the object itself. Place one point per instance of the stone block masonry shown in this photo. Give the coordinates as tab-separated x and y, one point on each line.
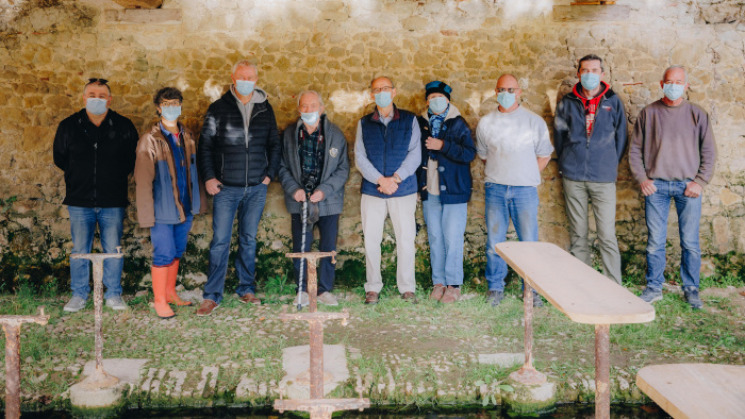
49	48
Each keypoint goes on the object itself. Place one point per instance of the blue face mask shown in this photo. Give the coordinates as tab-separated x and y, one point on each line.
383	99
170	113
309	118
506	99
244	87
95	106
438	104
590	81
673	91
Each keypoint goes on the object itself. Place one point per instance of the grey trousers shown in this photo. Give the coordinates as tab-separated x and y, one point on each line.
603	198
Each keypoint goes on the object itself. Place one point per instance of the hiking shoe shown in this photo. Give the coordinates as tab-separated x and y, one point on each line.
495	297
74	305
451	295
438	290
328	298
302	300
651	295
116	303
690	294
207	307
409	297
249	298
371	297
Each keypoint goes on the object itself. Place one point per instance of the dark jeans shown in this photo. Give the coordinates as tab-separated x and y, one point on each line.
248	202
328	226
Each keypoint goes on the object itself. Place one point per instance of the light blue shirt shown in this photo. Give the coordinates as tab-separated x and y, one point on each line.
408	166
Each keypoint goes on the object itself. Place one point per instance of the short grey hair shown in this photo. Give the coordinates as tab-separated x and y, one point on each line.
307	92
675	67
245	63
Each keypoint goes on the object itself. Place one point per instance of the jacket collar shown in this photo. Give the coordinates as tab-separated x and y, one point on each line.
376	115
453	113
606	92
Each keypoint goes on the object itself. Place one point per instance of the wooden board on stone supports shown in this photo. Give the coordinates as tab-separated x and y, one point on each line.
142	16
140	4
591	13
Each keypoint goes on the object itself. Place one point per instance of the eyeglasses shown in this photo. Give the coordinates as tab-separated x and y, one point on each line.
96	80
174	102
382	89
507	89
678	82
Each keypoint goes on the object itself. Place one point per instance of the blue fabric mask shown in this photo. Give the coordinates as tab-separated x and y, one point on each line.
590	81
95	106
244	87
438	104
309	118
170	113
506	99
673	91
383	99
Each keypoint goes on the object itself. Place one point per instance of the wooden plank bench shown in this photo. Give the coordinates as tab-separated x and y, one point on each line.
580	292
696	390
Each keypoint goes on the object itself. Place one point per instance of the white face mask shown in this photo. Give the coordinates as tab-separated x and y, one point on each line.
96	106
309	118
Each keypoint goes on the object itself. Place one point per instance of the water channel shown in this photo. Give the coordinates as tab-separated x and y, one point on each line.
565	411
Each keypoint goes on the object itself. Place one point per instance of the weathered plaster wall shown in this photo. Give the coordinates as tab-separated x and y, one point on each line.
50	47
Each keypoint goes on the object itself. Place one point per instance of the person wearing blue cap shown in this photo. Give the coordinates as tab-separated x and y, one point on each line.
444	178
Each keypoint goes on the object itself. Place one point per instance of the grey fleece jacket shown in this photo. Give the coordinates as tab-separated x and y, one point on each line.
333	175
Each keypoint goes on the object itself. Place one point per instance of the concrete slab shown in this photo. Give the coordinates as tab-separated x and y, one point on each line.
502	360
296	363
83	395
126	370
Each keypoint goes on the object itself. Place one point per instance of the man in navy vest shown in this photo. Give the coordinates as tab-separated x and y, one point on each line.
387	153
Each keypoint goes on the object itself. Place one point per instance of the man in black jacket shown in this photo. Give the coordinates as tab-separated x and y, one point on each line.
239	153
95	147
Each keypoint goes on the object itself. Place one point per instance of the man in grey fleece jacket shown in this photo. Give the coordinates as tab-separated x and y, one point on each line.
672	156
314	167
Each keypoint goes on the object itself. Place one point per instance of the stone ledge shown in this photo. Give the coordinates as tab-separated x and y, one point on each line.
591	13
139	16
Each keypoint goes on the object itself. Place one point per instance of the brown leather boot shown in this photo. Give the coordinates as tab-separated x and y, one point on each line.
451	295
171	295
160	278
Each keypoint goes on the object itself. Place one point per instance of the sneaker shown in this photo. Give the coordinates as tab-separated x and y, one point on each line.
690	294
328	298
451	295
74	305
302	300
438	290
537	300
207	307
495	297
116	303
651	295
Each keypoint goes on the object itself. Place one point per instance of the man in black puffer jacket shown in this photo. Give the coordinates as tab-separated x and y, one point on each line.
239	153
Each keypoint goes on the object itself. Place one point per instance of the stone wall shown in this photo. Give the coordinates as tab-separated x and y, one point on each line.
50	47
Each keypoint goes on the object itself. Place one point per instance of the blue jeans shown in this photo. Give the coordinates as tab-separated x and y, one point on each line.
248	202
503	202
82	228
169	241
446	225
657	209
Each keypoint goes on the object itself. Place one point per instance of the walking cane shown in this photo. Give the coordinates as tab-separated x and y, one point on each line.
304	217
